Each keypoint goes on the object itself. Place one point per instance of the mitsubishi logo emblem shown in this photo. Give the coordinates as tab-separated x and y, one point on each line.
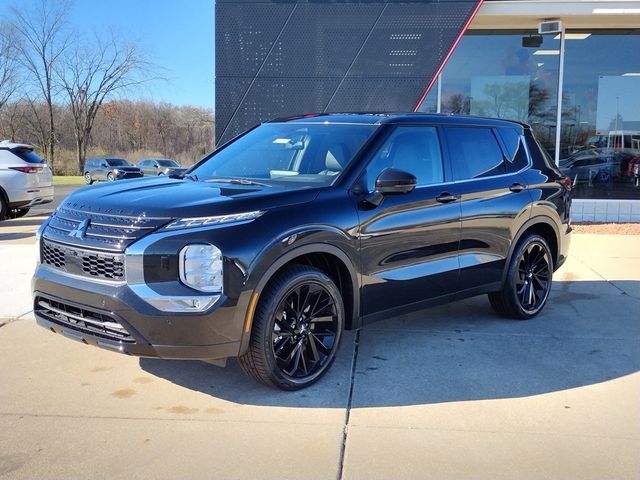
80	230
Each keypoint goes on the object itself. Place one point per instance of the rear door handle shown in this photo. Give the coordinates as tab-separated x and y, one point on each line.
446	197
517	187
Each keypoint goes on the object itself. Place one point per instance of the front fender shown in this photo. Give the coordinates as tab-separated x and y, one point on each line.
285	248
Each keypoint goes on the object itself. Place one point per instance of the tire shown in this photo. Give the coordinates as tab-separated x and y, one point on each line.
19	212
525	292
110	177
87	178
293	353
603	176
4	208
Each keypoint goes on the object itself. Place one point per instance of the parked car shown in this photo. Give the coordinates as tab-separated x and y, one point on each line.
25	179
594	165
109	169
160	166
271	246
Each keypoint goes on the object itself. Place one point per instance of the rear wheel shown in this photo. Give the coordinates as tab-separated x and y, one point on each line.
87	178
296	330
528	281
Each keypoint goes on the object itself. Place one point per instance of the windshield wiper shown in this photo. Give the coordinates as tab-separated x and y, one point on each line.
190	176
237	181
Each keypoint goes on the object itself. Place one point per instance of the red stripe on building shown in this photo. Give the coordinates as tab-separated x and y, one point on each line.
446	59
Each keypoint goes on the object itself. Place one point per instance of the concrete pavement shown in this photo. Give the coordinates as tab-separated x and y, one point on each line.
452	392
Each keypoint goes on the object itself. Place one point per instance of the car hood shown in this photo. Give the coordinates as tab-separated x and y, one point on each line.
178	198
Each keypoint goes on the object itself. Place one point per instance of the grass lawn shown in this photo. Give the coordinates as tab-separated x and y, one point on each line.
68	180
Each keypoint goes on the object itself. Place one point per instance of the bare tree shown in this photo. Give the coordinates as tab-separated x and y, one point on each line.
90	75
9	79
42	41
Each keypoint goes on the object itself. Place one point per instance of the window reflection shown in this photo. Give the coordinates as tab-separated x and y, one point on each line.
600	136
492	74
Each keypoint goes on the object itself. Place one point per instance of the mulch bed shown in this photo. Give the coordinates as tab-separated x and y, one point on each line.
607	228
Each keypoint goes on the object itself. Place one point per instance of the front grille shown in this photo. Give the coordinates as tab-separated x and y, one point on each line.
82	319
131	175
75	224
104	266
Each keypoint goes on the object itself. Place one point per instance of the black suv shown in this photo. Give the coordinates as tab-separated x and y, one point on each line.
109	169
271	246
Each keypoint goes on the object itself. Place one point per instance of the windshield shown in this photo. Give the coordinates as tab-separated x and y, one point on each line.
167	163
117	162
292	154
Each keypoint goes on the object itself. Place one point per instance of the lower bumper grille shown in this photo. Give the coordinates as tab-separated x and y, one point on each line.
81	319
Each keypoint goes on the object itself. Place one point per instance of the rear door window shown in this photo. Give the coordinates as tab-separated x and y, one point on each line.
475	152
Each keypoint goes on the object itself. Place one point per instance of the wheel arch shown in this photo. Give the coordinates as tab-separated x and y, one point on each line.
541	225
334	262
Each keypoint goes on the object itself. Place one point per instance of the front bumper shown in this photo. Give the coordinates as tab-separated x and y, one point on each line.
125	175
90	312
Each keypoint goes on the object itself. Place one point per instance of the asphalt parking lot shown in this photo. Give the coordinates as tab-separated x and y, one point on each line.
452	392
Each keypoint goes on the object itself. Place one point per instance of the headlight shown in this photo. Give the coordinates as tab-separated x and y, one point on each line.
217	220
201	267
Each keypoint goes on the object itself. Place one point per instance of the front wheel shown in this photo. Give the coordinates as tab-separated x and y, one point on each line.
110	177
296	330
528	281
87	178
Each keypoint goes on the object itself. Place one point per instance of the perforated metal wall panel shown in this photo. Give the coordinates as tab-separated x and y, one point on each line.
284	57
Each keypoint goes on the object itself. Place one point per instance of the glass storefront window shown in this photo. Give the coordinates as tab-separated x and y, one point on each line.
600	135
492	73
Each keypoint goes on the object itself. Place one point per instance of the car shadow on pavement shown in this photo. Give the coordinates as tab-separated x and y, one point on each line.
587	334
16	235
24	222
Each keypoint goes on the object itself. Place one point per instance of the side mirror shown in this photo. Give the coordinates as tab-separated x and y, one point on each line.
389	182
155	165
392	181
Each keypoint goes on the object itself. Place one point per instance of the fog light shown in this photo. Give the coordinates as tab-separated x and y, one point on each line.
201	267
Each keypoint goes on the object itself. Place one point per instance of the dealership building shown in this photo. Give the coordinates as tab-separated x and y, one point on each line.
570	69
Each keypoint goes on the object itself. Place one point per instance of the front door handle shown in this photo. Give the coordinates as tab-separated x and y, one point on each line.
517	187
446	197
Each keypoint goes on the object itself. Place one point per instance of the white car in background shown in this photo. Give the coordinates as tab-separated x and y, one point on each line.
25	179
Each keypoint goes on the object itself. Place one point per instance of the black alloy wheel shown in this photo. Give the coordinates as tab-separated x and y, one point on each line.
528	281
297	328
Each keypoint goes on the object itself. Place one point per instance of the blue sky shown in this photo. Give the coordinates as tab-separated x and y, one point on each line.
176	35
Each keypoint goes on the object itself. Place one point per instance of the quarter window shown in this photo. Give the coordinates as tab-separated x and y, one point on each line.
475	152
415	150
515	152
